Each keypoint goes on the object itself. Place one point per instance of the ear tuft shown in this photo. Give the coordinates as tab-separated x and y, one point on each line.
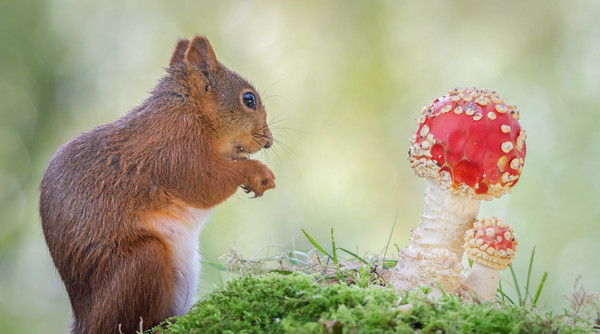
200	55
179	52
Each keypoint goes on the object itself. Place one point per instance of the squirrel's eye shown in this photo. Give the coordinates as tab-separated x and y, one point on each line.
249	100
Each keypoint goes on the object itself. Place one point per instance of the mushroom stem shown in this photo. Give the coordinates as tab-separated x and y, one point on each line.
483	281
446	217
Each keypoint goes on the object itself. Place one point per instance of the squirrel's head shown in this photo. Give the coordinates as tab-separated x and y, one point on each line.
229	106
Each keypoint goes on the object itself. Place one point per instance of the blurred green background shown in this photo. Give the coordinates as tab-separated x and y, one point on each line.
344	80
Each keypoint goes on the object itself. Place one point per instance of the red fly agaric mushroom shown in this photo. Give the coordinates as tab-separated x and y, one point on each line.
491	244
470	146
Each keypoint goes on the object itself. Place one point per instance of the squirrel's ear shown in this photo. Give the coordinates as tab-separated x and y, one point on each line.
201	55
179	52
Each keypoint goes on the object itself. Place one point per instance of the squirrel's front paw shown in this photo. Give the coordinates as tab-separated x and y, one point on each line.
260	178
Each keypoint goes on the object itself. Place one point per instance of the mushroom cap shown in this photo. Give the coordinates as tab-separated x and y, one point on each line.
470	142
491	242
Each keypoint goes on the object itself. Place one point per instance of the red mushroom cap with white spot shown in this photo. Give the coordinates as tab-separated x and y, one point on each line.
491	242
471	142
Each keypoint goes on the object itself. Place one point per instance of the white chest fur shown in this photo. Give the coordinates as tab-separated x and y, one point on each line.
181	227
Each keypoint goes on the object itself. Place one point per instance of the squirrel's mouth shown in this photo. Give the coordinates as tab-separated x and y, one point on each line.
240	153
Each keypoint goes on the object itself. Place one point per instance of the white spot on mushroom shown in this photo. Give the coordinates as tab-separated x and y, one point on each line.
505	128
445	109
507	146
425	145
521	140
458	110
496	99
455	97
507	177
477	117
502	163
469	110
424	130
515	164
514	112
482	100
413	139
501	108
427	107
490	232
491	115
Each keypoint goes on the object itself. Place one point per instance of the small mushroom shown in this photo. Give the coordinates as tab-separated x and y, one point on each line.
491	244
470	146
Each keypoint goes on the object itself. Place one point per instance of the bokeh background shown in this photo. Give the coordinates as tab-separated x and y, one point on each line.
343	82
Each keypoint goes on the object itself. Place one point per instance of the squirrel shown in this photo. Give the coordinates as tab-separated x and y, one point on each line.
122	205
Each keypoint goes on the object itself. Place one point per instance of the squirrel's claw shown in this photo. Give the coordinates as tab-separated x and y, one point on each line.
261	179
256	195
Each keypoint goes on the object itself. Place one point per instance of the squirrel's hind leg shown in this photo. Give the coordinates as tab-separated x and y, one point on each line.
140	293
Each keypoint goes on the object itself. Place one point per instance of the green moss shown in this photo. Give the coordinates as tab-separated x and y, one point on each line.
294	303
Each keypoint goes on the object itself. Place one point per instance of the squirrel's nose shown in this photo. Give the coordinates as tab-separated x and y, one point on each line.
269	136
269	143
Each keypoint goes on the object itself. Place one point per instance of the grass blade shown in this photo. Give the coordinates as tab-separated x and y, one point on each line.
389	263
282	272
529	273
504	295
294	260
216	265
390	237
441	289
500	291
510	300
539	289
316	244
333	252
354	255
512	271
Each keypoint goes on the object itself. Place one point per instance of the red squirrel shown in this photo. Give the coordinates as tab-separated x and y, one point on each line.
122	204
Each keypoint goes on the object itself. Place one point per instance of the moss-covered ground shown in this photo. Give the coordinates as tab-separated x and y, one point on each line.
295	303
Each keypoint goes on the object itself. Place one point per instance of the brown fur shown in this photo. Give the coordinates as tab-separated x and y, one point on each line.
101	190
